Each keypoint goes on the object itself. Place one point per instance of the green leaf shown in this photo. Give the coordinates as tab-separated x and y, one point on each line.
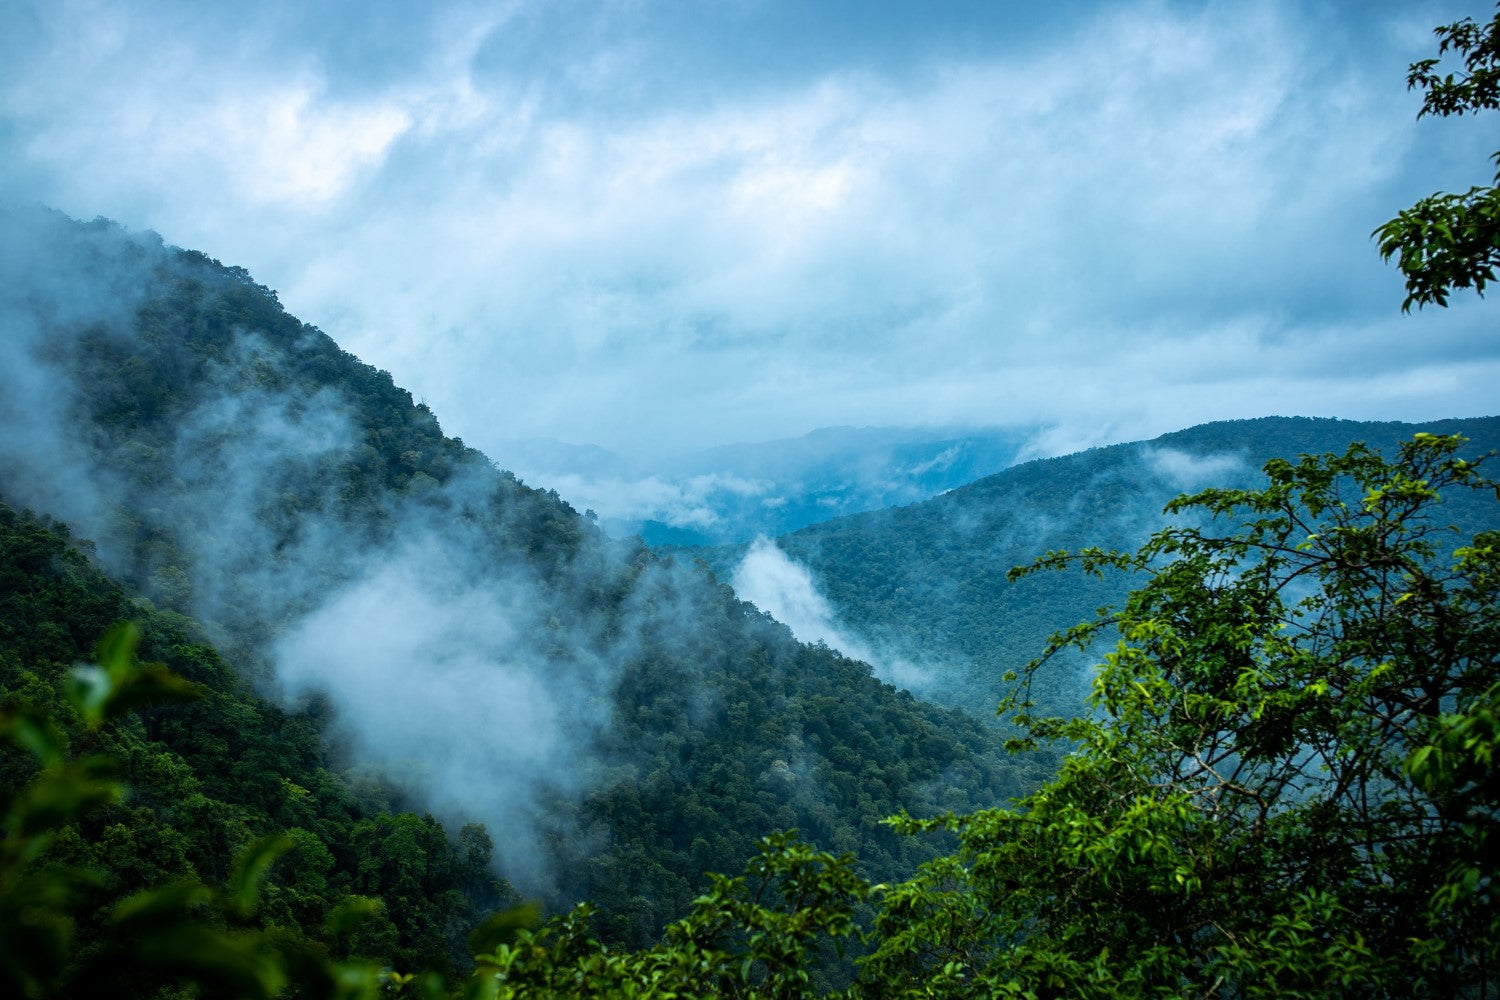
251	867
501	928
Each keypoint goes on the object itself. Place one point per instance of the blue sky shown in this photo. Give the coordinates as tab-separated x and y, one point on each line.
659	226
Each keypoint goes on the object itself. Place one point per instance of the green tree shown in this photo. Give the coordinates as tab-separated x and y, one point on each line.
1448	241
162	937
1285	787
755	936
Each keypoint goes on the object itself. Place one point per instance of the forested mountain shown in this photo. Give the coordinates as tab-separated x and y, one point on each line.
382	621
926	583
618	721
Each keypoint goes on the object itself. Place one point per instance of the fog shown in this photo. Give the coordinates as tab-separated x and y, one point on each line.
477	680
784	589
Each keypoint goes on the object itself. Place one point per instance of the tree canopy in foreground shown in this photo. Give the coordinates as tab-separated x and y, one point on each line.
1285	788
1447	241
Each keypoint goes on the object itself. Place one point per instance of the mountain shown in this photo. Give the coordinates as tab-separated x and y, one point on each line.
735	492
618	721
923	587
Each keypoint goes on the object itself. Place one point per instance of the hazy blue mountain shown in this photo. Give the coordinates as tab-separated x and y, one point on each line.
920	590
736	492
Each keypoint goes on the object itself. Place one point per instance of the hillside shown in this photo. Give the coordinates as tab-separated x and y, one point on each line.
925	584
618	721
207	777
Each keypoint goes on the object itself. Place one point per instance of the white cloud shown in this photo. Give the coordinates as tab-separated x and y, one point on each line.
689	503
284	146
1150	217
514	733
1185	471
784	589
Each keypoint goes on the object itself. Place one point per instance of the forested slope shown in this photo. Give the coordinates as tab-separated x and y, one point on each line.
927	582
620	722
208	777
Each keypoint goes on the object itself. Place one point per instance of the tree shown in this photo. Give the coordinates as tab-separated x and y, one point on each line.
153	941
1285	787
756	936
1448	241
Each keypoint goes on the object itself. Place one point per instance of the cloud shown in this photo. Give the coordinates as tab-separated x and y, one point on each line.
1184	471
478	681
659	232
286	149
688	502
785	590
515	727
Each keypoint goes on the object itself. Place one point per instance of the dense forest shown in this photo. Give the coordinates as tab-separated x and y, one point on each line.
209	777
1285	787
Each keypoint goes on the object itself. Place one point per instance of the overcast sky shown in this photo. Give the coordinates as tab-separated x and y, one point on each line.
653	225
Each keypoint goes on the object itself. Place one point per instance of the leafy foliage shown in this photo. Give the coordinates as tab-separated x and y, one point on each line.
180	930
122	777
1448	241
1283	788
757	935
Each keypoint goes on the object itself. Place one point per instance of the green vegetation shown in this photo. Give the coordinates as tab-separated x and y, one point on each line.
206	780
1285	788
241	471
1284	784
927	582
1448	241
178	930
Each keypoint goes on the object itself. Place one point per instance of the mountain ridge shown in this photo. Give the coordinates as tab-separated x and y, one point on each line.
924	584
617	719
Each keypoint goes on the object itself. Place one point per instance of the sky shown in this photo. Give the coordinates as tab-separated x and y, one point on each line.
660	226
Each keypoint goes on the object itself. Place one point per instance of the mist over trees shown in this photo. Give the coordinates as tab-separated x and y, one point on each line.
474	648
921	588
1285	786
343	627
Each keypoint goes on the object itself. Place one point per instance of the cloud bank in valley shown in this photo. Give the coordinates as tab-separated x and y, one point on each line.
440	685
658	228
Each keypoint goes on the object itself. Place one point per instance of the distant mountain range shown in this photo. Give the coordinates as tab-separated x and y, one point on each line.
735	492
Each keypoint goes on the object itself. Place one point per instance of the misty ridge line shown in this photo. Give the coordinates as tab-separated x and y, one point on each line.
474	636
770	578
731	493
236	488
491	651
925	583
785	589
